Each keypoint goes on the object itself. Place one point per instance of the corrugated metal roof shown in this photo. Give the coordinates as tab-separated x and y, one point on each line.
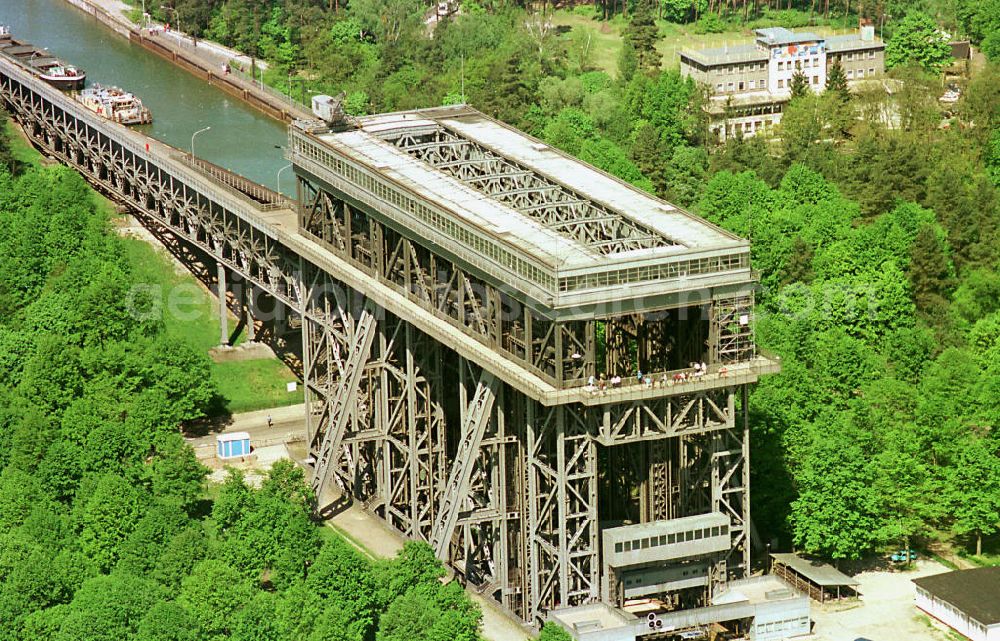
821	574
736	53
783	36
851	42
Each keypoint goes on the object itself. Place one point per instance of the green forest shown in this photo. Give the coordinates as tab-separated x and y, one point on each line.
877	250
109	530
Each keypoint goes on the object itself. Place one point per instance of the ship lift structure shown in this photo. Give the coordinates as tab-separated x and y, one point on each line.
497	342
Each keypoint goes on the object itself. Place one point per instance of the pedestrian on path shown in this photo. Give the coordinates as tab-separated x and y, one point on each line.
270	423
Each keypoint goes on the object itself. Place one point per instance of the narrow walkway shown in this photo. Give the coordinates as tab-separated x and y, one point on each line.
287	425
373	536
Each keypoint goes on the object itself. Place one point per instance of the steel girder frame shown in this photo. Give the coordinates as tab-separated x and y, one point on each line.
564	353
562	531
392	430
536	196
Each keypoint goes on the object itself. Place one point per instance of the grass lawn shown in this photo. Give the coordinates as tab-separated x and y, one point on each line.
191	314
607	37
21	149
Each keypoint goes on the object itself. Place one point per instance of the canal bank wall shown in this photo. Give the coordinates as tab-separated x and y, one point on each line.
102	15
204	66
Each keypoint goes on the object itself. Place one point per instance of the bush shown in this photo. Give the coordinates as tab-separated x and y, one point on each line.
788	18
709	23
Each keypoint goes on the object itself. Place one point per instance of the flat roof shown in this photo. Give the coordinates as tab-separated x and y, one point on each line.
592	617
850	42
822	574
682	524
744	52
975	592
587	198
757	589
232	436
783	36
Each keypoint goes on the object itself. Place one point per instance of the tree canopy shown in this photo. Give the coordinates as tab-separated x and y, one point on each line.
917	40
106	534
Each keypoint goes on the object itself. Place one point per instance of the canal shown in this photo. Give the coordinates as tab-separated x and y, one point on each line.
241	138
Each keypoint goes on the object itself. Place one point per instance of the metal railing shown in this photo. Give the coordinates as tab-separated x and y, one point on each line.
264	195
257	81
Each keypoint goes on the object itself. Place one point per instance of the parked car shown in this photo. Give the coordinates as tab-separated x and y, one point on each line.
900	556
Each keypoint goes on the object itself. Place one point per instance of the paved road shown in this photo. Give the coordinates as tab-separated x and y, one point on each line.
288	426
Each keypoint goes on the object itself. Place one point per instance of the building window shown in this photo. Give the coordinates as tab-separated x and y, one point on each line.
781	66
751	84
815	80
861	73
718	87
741	85
781	83
871	54
850	74
871	71
730	86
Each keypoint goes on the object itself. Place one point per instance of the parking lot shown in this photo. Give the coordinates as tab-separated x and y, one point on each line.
885	611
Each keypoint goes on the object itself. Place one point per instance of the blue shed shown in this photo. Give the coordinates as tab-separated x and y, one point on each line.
232	445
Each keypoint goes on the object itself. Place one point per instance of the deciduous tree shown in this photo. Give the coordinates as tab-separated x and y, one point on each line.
918	40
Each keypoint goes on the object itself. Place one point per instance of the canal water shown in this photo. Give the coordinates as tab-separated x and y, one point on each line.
241	138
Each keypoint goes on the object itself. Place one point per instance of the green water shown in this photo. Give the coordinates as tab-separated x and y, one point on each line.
240	138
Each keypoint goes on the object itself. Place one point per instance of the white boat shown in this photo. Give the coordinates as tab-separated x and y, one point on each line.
115	104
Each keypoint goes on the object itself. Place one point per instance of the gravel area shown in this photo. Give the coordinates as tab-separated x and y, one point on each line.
885	611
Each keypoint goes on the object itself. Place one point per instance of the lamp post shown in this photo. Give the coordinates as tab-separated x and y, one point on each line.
173	12
192	138
288	166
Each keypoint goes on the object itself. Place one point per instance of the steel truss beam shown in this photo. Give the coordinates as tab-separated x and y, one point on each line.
538	197
341	400
476	418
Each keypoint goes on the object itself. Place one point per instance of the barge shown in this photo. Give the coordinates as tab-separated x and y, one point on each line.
40	63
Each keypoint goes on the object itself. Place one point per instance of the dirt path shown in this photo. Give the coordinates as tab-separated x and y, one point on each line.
885	611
